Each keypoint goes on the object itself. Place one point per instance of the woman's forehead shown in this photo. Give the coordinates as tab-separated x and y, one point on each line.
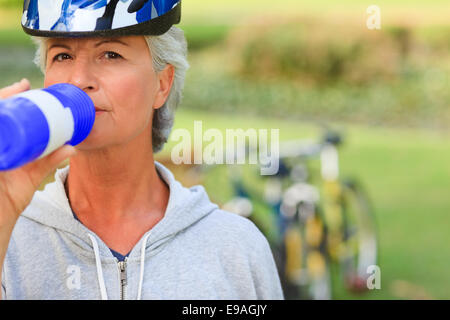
128	41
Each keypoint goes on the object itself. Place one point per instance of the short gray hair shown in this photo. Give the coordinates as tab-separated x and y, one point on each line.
169	48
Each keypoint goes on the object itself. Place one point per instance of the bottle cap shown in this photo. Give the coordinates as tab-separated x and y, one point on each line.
80	104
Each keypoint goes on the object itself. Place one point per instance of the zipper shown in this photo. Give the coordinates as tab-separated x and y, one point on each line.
123	278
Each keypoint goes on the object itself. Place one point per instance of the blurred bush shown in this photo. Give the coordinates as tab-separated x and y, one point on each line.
11	3
203	36
311	68
320	52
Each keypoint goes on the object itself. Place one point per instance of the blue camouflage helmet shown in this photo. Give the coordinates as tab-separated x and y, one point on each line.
91	18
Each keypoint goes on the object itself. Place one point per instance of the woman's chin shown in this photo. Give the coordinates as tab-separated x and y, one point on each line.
92	142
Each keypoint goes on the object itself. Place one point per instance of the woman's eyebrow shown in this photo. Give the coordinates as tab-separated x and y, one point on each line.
58	45
110	41
61	45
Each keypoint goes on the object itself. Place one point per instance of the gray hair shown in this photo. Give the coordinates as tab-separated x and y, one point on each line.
169	48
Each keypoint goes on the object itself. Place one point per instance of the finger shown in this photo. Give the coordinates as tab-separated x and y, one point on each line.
41	168
15	88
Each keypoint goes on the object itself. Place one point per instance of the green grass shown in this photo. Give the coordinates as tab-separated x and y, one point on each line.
407	175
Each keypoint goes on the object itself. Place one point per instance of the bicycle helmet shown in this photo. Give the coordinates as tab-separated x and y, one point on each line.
94	18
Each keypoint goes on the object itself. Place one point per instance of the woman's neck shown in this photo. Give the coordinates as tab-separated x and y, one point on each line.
117	192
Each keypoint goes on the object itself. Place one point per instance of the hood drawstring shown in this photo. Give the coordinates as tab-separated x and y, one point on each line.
141	277
101	280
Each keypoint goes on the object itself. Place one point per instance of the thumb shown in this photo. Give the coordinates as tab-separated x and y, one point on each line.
15	88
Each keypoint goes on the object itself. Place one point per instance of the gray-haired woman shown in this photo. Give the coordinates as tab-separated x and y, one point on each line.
116	224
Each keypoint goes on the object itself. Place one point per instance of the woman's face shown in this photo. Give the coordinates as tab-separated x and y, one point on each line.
118	75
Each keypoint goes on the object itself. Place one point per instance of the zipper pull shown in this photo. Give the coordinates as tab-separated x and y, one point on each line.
123	273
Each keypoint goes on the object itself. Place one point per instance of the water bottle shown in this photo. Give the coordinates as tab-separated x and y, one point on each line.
35	123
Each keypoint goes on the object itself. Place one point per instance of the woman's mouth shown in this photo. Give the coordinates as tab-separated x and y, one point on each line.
99	111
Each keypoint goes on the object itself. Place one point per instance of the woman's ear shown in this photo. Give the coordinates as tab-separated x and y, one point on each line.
165	80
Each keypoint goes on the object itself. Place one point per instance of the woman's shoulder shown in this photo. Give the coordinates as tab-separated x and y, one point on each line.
232	222
222	228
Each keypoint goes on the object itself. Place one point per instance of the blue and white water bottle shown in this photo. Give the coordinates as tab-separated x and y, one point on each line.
35	123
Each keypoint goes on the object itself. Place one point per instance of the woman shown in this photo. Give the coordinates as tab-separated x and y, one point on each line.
115	224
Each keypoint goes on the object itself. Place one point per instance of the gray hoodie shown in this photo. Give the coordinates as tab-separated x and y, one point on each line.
197	251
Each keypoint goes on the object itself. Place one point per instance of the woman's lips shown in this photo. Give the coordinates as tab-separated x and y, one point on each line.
99	111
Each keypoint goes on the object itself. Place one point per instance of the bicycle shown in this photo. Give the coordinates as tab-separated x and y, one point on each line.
344	209
310	220
318	222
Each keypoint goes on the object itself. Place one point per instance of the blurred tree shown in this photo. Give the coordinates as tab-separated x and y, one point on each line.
11	3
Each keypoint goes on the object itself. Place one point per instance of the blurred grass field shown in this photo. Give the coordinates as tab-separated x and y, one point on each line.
406	173
396	128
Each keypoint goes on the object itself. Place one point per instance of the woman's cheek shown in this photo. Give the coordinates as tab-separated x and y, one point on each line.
131	112
137	94
50	78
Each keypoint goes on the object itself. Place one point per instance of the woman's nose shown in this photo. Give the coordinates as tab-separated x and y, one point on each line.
82	76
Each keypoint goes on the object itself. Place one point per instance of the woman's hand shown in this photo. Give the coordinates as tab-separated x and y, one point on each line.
15	88
18	186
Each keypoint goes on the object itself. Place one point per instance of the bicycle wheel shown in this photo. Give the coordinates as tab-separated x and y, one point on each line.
359	236
306	263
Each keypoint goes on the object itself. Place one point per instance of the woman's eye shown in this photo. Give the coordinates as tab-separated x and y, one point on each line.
112	55
61	57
